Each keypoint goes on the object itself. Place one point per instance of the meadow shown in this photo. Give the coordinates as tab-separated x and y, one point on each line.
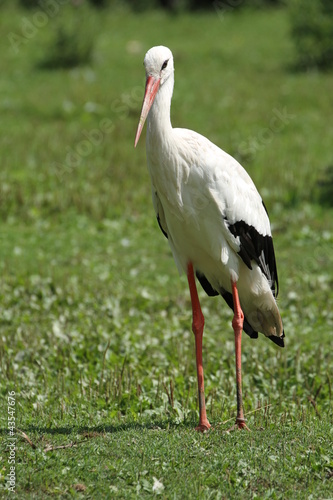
97	356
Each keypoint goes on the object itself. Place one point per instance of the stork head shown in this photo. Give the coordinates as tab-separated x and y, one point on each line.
158	63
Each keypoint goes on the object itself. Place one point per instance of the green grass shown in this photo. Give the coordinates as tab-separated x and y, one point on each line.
95	335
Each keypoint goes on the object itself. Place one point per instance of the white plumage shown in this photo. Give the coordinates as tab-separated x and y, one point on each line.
208	207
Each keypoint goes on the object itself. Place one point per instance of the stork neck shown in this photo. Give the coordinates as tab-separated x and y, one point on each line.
159	123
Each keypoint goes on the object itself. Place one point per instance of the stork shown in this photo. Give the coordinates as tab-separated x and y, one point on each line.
215	221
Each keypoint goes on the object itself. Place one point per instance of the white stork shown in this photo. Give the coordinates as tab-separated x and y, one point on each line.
215	221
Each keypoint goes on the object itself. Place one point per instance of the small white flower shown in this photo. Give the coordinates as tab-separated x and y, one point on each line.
158	487
125	242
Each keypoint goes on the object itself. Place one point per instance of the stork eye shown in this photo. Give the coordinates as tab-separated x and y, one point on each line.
164	65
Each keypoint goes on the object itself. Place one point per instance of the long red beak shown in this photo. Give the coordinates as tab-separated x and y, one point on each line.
152	86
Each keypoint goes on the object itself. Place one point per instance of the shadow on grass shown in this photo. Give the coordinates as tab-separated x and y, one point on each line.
104	429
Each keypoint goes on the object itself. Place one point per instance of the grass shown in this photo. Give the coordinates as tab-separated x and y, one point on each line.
95	322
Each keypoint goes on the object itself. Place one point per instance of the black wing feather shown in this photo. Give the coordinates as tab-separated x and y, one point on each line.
161	228
258	248
211	292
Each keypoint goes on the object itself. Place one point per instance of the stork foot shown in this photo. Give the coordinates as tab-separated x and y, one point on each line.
203	427
239	425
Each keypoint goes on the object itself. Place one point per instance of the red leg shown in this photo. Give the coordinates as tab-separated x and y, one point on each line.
237	324
197	327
